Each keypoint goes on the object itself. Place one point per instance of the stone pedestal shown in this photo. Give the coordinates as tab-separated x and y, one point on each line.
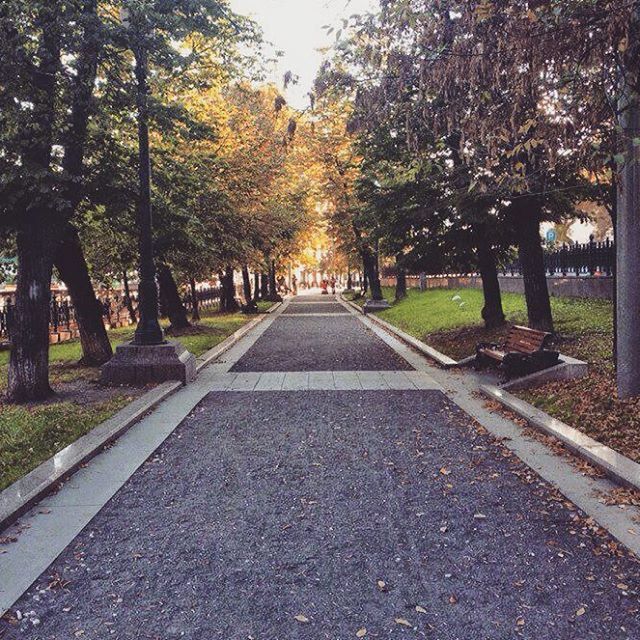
138	365
375	305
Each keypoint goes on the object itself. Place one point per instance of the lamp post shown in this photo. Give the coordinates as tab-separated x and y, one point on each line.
148	357
148	331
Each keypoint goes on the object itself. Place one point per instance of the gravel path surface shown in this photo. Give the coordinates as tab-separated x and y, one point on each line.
320	344
308	515
264	507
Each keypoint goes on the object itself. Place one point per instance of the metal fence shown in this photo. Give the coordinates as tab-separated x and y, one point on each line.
579	260
63	323
207	299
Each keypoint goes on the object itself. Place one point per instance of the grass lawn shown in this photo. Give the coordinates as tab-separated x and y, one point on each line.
450	321
31	434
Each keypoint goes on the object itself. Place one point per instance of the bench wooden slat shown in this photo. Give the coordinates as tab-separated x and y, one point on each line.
520	340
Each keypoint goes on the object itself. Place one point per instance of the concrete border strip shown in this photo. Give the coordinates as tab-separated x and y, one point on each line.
614	464
568	368
20	496
214	353
430	352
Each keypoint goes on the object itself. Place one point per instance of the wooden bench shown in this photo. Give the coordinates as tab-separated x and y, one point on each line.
525	351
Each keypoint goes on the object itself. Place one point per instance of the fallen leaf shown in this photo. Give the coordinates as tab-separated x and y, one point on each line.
580	612
382	585
420	609
480	516
444	471
520	622
361	633
403	622
302	619
622	586
453	599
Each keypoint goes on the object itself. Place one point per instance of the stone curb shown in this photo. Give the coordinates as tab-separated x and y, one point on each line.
617	466
568	368
20	496
444	361
23	494
215	352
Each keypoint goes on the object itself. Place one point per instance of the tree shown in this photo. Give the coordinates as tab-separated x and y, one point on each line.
52	53
628	212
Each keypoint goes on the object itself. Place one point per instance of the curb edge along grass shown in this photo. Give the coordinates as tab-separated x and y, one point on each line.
23	494
616	466
443	360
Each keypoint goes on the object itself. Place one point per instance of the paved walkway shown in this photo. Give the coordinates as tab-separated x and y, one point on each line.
325	488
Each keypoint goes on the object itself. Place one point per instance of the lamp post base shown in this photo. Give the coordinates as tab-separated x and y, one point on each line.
139	365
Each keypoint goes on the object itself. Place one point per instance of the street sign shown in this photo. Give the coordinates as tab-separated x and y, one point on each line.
551	236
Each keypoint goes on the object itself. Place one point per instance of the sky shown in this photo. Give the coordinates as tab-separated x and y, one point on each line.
295	27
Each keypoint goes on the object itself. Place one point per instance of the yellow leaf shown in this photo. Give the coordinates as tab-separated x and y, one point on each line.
403	622
580	612
302	619
531	14
361	633
420	609
382	585
623	587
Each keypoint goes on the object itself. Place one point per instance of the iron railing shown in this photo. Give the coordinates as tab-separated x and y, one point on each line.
62	314
579	260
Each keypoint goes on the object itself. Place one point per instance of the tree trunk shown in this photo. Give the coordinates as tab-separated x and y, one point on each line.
365	279
613	213
401	279
195	315
628	221
256	285
492	312
127	297
264	286
29	359
72	267
349	281
273	285
172	306
527	224
371	273
228	302
246	285
28	378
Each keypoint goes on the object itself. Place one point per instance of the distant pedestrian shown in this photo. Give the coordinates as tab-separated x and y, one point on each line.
333	286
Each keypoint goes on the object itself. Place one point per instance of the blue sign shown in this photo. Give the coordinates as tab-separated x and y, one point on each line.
551	236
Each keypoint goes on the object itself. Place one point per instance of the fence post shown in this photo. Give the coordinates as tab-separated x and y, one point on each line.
53	314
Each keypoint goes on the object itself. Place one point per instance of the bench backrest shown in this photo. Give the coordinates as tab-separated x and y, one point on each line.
525	340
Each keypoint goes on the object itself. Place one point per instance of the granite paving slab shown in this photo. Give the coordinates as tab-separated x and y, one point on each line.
307	515
313	298
316	307
315	344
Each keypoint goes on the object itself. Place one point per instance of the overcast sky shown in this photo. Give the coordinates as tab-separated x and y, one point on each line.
295	27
